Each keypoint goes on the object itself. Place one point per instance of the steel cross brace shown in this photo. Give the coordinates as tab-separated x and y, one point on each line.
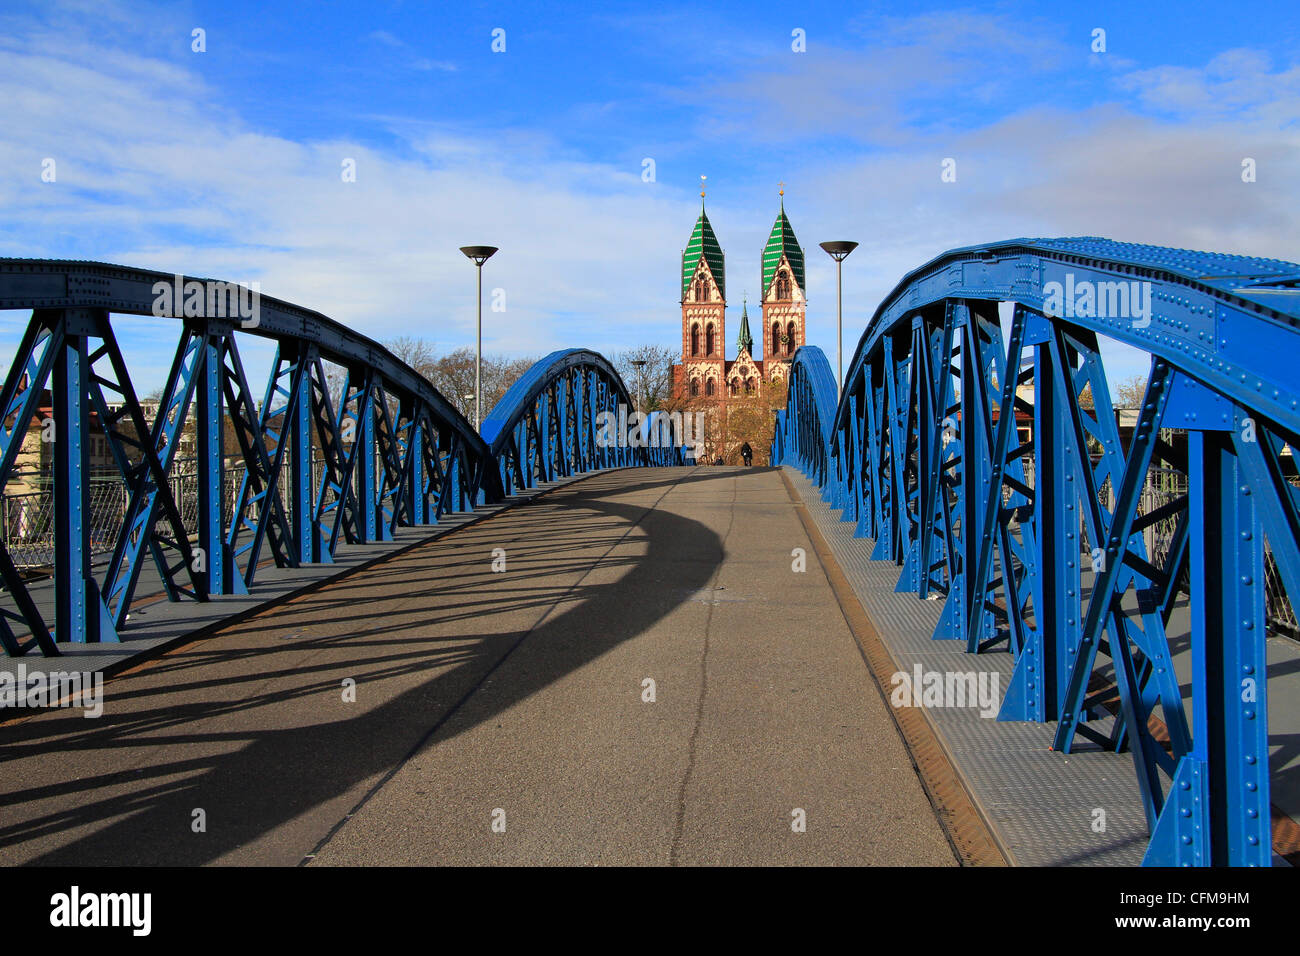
22	390
929	398
1217	811
258	507
969	613
42	345
337	510
147	478
1104	610
215	379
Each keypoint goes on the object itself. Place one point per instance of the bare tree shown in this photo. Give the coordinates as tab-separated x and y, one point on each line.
750	420
498	375
1129	393
415	352
453	375
647	371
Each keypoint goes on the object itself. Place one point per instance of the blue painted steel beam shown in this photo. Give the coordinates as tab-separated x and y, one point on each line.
568	414
79	611
222	576
1041	542
302	498
144	456
392	452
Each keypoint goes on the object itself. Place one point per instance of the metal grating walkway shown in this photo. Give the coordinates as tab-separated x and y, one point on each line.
1039	803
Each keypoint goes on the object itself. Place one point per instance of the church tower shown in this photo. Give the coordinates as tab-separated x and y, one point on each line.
704	306
783	296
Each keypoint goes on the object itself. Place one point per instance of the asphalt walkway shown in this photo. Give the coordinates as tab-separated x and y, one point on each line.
502	716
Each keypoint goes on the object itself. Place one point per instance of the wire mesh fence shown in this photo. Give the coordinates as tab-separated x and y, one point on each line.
27	509
28	516
1165	486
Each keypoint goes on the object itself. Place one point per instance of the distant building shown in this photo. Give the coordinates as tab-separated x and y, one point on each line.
27	502
34	465
704	370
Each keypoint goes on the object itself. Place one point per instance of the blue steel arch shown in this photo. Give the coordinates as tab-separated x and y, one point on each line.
803	428
971	453
390	450
569	414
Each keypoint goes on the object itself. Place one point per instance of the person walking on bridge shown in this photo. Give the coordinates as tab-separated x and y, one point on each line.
747	453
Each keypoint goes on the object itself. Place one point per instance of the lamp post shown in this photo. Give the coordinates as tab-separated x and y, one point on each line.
839	251
639	365
480	255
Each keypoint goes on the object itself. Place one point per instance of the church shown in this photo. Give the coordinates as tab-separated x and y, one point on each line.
705	372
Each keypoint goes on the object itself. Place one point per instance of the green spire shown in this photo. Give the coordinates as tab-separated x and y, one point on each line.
782	243
745	341
703	244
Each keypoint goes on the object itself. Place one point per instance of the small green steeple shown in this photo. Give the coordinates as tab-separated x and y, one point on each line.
745	341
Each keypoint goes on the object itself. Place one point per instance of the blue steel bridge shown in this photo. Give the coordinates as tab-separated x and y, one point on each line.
969	503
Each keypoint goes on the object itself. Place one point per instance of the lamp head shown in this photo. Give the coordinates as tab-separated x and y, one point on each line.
839	250
480	254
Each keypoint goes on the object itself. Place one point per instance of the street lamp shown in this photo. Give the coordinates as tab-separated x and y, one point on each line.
839	252
480	255
639	365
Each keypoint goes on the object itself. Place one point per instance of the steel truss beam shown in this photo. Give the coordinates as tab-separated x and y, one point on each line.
570	414
323	458
982	455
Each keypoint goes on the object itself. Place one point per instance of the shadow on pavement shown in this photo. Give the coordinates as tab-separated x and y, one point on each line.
257	763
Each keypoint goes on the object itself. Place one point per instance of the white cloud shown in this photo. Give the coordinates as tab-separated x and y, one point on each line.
1046	172
901	76
426	66
154	171
1238	83
422	64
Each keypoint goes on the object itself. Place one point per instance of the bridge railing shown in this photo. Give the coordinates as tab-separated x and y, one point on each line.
345	443
803	428
981	453
570	413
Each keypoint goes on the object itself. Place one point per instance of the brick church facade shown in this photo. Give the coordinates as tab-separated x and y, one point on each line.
704	372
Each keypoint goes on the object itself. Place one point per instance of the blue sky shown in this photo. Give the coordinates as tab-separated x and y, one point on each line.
227	162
